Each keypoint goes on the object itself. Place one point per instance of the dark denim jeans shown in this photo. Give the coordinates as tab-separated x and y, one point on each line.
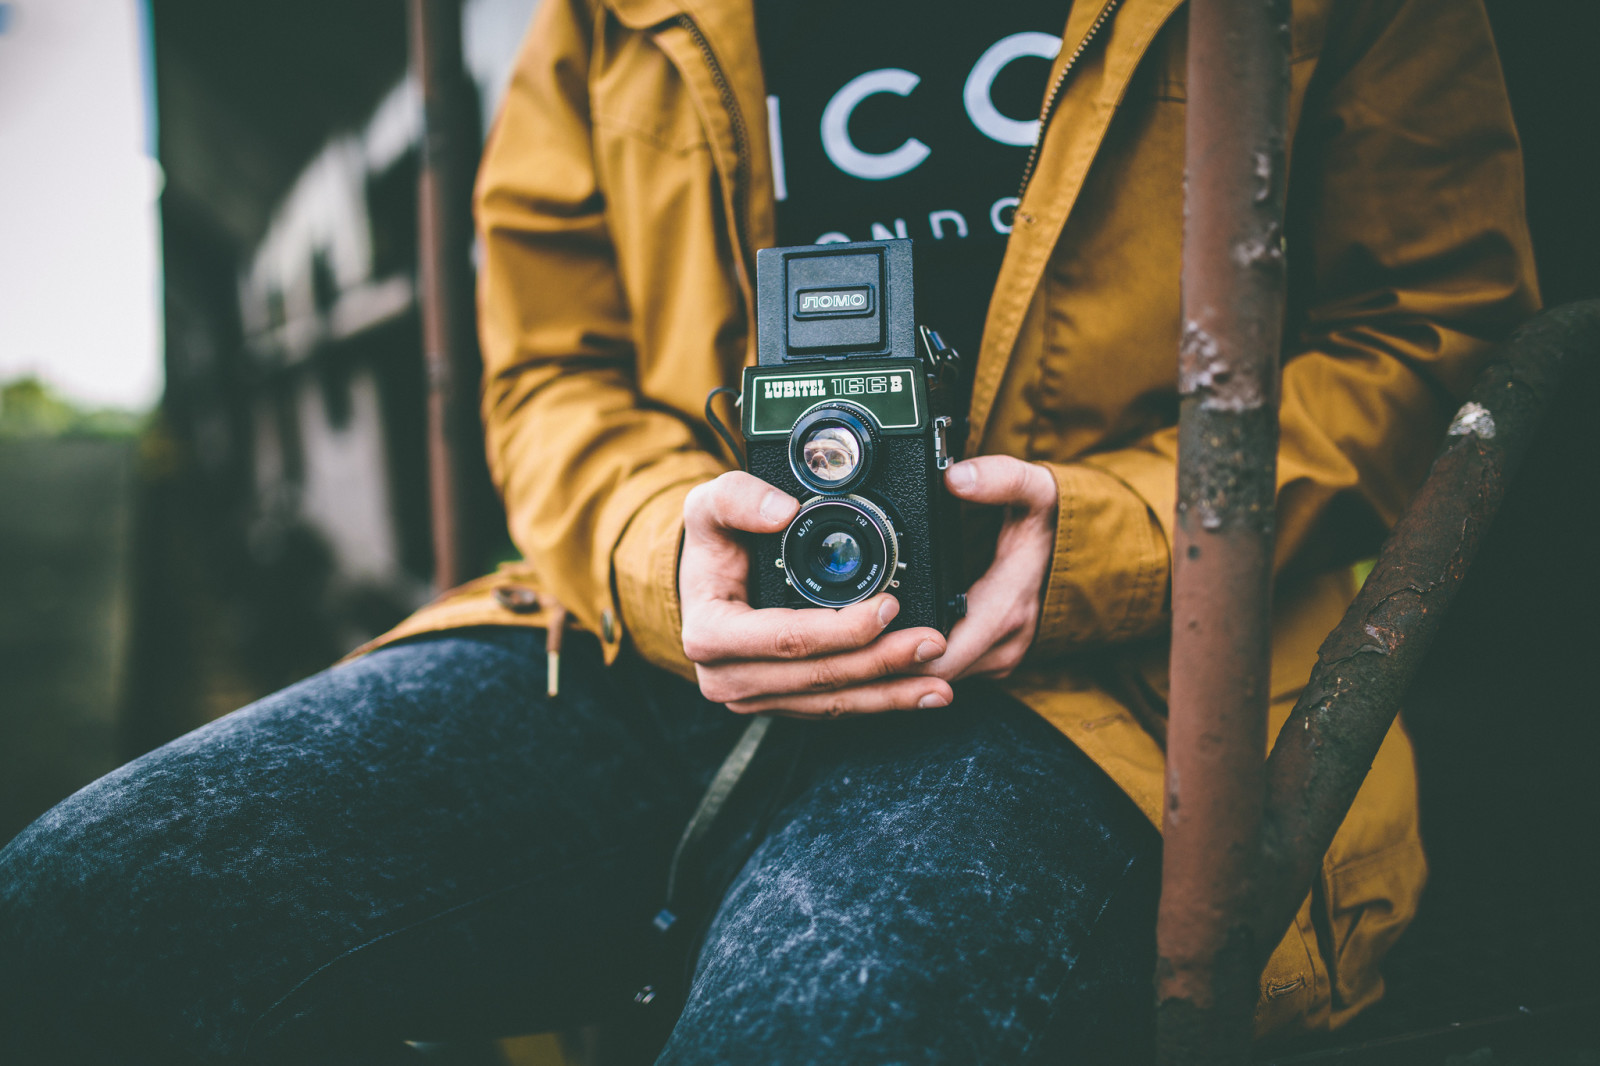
420	845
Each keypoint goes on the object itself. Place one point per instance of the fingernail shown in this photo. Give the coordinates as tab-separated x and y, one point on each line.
932	699
775	506
928	649
887	610
962	476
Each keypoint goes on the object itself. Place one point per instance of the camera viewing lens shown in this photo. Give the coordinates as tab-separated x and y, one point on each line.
831	453
839	556
831	448
839	550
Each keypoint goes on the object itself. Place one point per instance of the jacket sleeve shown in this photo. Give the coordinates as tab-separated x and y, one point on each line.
1409	257
592	474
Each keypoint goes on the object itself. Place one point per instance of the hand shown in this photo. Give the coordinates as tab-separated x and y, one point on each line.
804	663
1003	605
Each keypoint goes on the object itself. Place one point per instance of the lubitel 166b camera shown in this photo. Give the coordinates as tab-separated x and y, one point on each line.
852	409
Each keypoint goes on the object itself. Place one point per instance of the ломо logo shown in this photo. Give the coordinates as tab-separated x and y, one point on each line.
821	302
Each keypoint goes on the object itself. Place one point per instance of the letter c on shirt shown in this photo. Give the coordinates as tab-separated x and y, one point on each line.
980	106
836	122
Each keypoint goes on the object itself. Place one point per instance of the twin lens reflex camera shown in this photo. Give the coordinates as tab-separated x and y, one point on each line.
852	409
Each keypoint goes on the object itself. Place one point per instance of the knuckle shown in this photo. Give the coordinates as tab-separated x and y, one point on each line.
715	687
792	641
695	647
835	705
1044	490
825	674
721	494
698	500
865	627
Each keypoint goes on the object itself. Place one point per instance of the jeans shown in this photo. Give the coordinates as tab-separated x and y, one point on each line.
419	845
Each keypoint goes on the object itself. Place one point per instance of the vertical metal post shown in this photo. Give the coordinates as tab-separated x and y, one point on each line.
444	239
1233	296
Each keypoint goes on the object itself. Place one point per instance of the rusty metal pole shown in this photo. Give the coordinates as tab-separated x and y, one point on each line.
444	242
1365	665
1233	306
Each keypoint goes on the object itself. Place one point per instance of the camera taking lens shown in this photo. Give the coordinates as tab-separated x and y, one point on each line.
839	551
839	555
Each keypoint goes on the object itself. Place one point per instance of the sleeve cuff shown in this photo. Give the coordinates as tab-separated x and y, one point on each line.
1109	573
644	571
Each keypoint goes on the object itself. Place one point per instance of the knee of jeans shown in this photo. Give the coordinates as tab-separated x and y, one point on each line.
61	850
89	856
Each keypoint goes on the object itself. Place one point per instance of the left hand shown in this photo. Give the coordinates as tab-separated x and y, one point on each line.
1003	605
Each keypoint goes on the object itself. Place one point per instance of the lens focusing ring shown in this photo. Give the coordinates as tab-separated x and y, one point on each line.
866	523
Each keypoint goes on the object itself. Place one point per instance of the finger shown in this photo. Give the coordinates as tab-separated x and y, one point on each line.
1004	480
893	653
896	694
714	564
719	630
969	638
737	501
1001	608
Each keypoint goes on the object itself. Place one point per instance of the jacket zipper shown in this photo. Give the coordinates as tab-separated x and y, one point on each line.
1054	95
741	141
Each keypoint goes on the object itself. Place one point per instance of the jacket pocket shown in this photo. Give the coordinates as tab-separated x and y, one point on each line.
1370	901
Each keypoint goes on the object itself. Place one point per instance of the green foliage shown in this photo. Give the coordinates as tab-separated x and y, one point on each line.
30	408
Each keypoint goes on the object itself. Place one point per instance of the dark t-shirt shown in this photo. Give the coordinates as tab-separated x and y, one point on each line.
889	120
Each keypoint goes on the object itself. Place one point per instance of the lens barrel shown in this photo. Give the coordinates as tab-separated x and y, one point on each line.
839	550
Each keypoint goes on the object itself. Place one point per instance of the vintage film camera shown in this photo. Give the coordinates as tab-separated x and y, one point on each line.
852	409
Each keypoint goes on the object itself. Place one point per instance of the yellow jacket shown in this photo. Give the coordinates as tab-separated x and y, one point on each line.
628	180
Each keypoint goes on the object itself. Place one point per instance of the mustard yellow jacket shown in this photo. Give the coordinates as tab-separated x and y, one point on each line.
628	180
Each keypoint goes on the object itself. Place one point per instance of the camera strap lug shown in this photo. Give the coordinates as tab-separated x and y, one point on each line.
941	442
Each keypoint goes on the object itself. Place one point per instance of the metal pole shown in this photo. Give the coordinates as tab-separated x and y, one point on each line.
1233	297
1363	668
444	238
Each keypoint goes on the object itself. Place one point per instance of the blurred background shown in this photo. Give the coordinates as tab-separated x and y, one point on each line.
214	444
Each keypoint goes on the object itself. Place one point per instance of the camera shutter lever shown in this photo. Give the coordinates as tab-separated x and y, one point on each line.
941	442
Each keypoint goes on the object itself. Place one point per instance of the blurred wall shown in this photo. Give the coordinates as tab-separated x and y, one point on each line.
295	395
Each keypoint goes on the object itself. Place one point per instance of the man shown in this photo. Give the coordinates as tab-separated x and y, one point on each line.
421	844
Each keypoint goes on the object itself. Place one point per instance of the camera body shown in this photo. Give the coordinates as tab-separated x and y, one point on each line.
852	409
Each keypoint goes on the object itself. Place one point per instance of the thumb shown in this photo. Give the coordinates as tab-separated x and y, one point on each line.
737	501
1002	480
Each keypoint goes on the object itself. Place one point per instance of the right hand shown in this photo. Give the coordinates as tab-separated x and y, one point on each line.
813	662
